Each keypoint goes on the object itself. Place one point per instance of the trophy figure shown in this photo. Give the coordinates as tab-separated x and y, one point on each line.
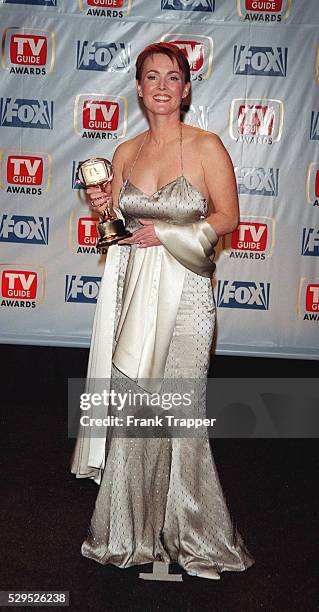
98	172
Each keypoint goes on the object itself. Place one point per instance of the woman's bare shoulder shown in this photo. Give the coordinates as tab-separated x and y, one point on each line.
123	150
205	142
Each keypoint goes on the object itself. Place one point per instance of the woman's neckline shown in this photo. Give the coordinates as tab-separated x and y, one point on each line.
178	178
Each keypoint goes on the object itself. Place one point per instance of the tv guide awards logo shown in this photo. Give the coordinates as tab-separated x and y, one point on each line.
22	286
312	184
314	125
256	121
260	61
108	57
100	116
28	51
265	11
26	113
251	295
310	242
47	3
308	299
253	239
82	289
25	172
106	8
257	181
84	233
198	50
203	6
24	229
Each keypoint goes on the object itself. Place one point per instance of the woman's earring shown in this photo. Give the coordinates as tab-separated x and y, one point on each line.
140	93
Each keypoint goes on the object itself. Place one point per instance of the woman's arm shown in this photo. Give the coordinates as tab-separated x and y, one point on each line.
118	163
223	213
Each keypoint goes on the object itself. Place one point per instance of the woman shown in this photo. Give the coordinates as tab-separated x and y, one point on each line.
161	499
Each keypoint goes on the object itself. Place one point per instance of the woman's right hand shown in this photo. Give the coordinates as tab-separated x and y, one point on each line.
100	198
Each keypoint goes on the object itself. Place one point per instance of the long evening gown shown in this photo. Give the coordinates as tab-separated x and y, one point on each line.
160	499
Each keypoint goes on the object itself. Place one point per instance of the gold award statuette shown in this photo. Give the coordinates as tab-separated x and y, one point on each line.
98	172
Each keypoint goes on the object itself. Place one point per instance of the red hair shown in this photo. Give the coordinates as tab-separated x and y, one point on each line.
169	49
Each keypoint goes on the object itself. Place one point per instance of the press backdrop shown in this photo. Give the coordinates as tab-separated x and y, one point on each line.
68	92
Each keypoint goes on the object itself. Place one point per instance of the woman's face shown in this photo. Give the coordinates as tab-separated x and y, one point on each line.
162	85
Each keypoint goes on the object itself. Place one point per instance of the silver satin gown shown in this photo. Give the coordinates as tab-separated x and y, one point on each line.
160	499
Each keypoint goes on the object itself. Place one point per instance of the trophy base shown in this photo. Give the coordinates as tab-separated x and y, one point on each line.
111	239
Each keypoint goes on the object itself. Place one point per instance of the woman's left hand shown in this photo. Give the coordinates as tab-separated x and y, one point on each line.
144	237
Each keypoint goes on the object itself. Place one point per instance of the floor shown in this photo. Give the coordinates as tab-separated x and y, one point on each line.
270	486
